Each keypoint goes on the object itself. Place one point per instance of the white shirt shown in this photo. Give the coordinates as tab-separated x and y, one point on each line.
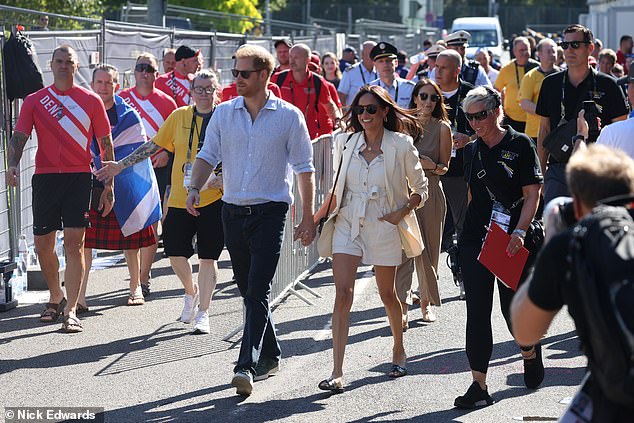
619	135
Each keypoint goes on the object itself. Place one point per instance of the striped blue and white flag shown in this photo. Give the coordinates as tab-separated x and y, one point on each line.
137	200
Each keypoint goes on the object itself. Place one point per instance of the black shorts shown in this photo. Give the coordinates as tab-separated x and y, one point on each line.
180	227
60	200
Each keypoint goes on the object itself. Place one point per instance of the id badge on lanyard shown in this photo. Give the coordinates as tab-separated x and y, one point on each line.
187	174
500	215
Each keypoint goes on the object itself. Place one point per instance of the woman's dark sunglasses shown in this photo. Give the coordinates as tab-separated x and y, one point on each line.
478	115
245	74
574	44
370	108
433	97
144	67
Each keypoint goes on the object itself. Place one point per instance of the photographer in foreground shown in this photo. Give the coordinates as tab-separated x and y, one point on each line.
593	174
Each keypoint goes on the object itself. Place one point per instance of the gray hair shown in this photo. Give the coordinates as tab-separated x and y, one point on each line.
545	41
522	40
453	54
481	95
209	74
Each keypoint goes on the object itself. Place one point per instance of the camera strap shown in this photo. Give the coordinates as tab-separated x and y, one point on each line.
563	93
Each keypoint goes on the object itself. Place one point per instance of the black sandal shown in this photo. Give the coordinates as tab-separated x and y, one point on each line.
397	371
72	324
331	386
52	311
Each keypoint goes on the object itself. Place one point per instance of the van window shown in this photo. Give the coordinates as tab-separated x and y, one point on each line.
483	38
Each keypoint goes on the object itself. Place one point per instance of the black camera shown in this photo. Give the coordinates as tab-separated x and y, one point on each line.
453	262
591	115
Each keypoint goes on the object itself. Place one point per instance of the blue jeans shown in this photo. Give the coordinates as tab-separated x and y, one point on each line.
253	236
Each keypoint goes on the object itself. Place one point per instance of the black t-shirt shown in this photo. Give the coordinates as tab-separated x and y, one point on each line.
458	120
550	290
510	165
607	94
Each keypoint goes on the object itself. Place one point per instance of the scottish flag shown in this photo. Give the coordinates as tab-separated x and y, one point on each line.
137	200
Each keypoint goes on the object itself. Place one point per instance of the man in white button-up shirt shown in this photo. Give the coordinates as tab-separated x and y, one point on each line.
272	135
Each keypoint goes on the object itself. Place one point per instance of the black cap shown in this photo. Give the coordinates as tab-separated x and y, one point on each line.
383	49
283	41
185	52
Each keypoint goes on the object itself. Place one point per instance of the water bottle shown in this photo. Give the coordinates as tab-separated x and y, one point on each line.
32	257
23	254
59	250
417	58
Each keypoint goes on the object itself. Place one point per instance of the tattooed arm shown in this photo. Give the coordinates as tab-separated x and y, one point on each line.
112	168
106	201
16	147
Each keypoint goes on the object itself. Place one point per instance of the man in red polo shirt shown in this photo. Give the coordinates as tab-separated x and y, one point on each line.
177	83
154	106
65	117
308	92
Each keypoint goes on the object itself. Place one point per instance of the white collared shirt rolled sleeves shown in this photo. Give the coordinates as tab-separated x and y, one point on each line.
258	157
416	178
400	86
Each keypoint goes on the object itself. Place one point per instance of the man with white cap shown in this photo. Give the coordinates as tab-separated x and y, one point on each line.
384	57
471	70
358	75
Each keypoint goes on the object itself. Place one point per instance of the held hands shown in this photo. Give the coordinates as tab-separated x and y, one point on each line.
305	231
12	176
193	199
515	244
160	159
109	170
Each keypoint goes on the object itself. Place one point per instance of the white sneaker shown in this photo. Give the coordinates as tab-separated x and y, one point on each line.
201	323
190	305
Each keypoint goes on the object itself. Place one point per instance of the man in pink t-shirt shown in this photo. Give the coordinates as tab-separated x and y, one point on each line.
154	106
65	117
177	83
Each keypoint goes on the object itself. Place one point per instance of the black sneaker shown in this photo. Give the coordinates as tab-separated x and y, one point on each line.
266	367
474	397
534	369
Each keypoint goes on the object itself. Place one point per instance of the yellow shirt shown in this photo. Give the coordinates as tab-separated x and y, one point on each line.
529	90
508	79
174	137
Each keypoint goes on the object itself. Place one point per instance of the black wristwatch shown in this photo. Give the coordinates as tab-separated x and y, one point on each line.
577	137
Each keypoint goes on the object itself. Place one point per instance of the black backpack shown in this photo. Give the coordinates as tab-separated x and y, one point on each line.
281	77
23	73
602	258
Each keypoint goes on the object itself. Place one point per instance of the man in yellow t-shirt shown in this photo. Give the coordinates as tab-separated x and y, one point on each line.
183	133
532	83
508	83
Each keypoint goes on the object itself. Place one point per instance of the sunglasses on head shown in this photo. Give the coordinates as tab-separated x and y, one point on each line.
478	115
574	44
144	67
433	97
245	74
370	108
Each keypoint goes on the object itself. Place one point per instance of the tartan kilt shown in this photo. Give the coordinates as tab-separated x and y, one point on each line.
104	233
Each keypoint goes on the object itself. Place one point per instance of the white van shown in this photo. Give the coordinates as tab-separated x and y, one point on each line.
485	32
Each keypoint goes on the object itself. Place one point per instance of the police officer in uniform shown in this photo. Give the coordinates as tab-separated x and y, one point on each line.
384	57
471	70
358	75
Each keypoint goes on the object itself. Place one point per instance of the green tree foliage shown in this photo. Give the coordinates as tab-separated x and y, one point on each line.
82	8
238	7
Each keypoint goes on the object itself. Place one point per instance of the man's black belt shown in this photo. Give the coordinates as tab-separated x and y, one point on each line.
251	210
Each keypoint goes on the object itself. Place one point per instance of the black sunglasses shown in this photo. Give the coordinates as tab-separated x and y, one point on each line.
478	115
370	108
574	44
433	97
245	74
144	67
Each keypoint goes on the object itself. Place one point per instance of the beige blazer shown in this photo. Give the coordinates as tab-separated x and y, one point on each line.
403	174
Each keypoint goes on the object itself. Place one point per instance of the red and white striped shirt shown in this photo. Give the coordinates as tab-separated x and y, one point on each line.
65	123
154	108
176	86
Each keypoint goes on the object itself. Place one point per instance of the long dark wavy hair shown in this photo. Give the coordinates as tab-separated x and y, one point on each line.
440	111
397	119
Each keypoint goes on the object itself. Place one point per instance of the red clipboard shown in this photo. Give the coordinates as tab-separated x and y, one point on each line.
493	256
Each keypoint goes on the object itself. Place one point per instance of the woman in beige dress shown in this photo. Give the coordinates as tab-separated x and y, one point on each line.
434	150
380	183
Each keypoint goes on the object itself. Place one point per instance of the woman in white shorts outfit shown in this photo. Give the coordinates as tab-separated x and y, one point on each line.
381	182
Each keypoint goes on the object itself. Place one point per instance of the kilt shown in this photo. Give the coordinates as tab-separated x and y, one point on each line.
104	233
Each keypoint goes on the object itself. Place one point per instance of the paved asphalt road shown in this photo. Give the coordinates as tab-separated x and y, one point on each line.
141	365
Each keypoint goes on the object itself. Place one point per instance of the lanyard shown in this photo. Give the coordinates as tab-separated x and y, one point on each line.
201	140
454	122
388	89
563	90
362	75
517	75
